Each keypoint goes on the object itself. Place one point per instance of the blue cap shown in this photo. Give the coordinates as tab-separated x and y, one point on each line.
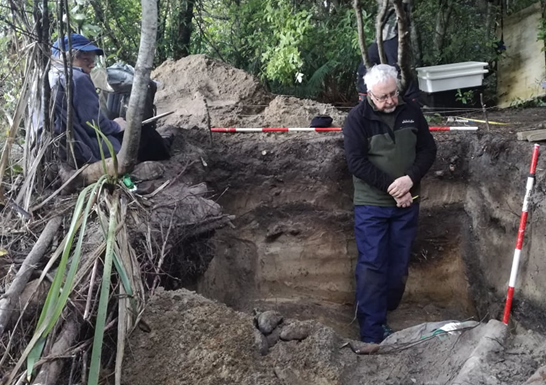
79	42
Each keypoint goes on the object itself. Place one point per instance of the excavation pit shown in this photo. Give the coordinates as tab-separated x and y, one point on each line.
291	249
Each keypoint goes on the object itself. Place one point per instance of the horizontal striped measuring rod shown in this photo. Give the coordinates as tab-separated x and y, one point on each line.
317	129
275	129
459	119
453	128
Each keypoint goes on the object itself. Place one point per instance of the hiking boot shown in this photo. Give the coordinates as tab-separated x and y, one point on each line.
387	331
366	348
148	170
168	141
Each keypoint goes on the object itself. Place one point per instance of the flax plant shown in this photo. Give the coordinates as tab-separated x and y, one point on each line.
64	279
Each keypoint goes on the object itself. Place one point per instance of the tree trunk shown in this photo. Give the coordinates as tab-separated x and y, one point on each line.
127	157
403	45
185	17
379	24
361	34
442	22
488	20
131	139
43	41
67	61
415	38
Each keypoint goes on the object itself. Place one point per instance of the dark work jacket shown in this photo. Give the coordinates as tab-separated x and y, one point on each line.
377	155
85	109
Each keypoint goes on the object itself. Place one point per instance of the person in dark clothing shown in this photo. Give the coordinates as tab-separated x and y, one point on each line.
389	149
391	53
390	47
86	108
85	103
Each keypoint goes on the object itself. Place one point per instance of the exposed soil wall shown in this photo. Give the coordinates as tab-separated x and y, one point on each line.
292	246
498	175
293	236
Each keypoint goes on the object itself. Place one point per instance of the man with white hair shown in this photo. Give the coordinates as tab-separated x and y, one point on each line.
389	149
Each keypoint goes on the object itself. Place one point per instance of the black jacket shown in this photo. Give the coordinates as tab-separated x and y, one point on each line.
377	155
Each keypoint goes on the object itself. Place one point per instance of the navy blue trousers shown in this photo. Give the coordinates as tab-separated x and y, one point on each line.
384	236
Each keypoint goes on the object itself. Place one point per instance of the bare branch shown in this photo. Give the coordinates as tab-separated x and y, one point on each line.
380	23
21	279
403	44
361	34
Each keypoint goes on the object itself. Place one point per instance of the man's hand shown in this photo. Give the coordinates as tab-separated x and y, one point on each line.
404	201
121	123
400	186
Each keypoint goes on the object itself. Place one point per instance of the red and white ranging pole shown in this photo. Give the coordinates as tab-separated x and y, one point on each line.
521	232
317	129
274	129
462	128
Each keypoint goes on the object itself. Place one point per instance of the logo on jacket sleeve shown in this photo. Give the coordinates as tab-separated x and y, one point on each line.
408	121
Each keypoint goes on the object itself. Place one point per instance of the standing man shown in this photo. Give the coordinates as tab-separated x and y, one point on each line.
389	149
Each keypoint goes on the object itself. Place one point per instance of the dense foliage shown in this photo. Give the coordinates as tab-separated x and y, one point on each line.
306	48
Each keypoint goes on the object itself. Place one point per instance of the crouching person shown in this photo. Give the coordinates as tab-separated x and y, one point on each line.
85	106
88	145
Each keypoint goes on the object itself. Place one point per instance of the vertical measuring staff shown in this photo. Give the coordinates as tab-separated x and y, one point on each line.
521	232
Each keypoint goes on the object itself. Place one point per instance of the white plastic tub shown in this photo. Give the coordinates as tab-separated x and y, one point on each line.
451	76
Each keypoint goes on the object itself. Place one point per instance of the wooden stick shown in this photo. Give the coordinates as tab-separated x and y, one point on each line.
40	205
484	112
50	371
21	278
207	116
157	117
90	291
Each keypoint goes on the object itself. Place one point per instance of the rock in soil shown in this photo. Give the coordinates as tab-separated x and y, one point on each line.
268	320
295	331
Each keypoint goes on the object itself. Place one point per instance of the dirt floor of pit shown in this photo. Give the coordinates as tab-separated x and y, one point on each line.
291	249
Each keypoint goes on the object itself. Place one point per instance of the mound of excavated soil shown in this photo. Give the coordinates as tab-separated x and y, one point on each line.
234	98
286	111
184	84
193	340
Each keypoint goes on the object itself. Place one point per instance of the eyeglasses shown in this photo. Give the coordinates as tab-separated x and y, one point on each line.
384	98
87	59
